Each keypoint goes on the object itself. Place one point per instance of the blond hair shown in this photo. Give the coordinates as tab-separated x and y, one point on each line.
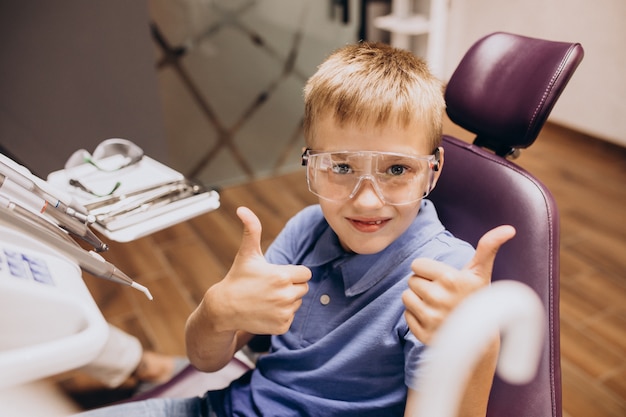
373	84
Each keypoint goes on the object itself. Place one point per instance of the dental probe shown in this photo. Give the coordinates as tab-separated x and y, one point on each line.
107	270
90	261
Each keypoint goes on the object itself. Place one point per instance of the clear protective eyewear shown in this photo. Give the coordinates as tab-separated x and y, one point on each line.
110	155
396	178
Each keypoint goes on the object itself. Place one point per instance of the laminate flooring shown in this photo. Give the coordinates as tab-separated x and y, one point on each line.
587	177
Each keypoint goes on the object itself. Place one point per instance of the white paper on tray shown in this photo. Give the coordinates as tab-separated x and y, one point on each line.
145	174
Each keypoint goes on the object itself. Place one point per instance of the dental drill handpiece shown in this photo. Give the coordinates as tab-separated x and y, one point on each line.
91	261
107	270
37	204
22	176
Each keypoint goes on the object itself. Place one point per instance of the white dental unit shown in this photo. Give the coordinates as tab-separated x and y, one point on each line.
49	322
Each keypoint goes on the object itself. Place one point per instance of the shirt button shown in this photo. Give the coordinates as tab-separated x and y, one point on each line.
325	299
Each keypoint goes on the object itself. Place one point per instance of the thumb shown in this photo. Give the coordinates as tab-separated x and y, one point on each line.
251	238
487	248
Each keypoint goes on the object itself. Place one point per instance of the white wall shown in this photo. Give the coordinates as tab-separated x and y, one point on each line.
594	101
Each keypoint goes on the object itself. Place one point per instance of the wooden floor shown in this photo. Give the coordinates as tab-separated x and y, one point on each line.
587	177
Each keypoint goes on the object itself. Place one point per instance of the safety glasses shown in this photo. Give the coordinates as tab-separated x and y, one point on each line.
396	178
110	155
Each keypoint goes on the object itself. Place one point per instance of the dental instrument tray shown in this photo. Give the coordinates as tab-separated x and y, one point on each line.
136	200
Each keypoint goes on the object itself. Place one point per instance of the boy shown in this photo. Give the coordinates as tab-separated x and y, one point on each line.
332	287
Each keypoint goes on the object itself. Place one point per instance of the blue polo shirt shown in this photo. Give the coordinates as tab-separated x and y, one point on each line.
349	351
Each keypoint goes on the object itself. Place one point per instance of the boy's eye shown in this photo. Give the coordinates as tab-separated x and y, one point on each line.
396	170
341	168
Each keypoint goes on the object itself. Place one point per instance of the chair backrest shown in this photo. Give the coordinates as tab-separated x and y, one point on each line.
506	85
503	90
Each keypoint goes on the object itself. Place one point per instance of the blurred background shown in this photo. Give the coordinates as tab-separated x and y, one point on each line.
213	88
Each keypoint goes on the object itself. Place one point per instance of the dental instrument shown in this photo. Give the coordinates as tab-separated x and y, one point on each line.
137	200
14	192
22	176
33	218
109	201
88	261
156	205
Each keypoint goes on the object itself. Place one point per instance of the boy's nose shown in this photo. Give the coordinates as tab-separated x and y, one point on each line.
367	194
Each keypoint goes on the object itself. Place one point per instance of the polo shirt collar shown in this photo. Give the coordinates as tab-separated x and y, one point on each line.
362	272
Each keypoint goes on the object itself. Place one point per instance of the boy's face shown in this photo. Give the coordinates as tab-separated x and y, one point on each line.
365	223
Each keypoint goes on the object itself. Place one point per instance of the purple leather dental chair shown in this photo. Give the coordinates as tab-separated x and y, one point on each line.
503	91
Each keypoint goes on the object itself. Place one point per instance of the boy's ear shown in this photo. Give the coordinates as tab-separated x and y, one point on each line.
438	168
437	155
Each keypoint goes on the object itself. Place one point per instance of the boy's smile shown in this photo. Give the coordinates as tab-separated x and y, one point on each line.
369	225
365	224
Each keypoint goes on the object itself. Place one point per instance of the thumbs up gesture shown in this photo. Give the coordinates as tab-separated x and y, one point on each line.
435	288
256	296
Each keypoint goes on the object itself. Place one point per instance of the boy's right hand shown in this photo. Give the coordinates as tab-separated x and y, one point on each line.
256	296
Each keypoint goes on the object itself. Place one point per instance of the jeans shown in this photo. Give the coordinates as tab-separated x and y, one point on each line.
157	407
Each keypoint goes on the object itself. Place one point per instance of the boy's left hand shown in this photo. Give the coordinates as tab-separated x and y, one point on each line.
435	288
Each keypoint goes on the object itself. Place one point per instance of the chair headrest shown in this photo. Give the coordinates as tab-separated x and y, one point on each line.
506	86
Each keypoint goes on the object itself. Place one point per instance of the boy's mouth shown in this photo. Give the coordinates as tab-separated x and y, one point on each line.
368	225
